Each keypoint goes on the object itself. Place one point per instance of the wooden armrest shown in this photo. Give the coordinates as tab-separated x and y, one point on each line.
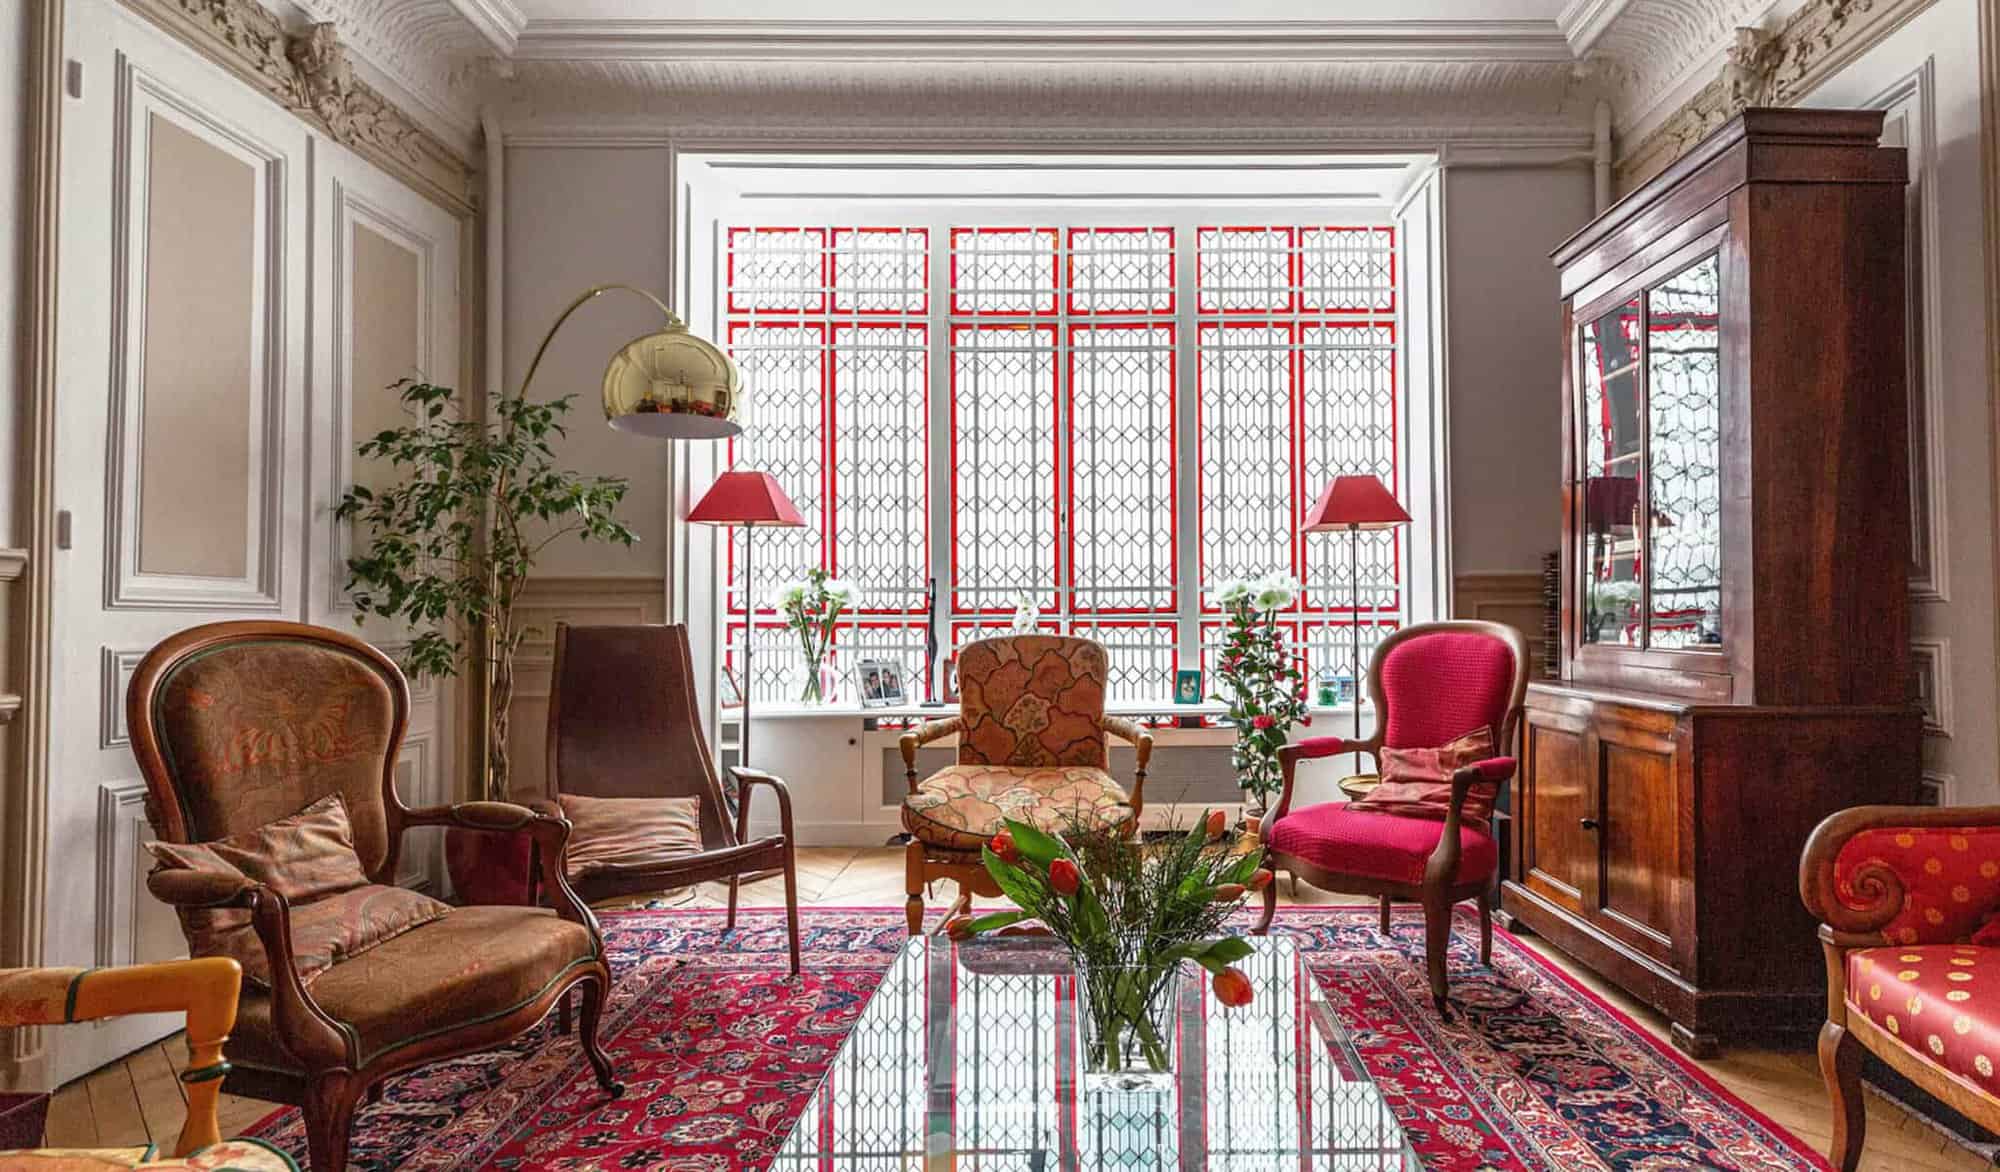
930	731
206	990
183	887
1878	892
1142	756
472	816
746	778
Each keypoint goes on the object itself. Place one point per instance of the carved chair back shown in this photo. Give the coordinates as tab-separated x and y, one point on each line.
1435	682
1032	700
624	721
236	725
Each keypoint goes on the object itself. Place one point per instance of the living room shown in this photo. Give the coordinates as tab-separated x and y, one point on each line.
676	584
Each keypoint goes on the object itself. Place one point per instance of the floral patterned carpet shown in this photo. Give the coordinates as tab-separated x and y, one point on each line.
720	1049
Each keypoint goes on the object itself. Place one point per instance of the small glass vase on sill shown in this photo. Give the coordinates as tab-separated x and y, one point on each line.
812	609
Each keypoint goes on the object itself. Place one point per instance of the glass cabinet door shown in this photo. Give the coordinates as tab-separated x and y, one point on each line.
1608	357
1684	415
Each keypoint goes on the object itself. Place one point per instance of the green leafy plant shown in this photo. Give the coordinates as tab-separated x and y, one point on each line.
812	609
1263	684
1129	913
448	547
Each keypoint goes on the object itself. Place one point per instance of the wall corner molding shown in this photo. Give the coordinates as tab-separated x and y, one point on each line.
1768	69
311	76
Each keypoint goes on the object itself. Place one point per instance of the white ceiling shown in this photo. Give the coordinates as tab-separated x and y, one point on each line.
1064	11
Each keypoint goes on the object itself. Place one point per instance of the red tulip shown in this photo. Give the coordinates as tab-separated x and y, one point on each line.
1228	893
1233	989
1306	719
1064	877
1260	879
1003	845
1217	823
1262	720
959	928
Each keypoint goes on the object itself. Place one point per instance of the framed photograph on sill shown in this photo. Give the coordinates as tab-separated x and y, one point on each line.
1187	686
728	692
881	683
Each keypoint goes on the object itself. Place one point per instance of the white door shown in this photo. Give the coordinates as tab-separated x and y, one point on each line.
183	368
385	298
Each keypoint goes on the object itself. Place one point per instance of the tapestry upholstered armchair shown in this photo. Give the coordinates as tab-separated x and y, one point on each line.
1908	900
1447	699
242	726
205	989
1030	728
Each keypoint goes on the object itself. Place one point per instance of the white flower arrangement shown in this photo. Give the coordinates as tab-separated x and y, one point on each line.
1026	615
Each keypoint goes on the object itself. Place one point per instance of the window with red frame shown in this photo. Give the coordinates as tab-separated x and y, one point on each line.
1133	413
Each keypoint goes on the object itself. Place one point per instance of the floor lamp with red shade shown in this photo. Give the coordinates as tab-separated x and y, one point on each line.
1355	504
751	500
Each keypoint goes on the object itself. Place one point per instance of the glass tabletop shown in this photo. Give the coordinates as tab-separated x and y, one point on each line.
967	1058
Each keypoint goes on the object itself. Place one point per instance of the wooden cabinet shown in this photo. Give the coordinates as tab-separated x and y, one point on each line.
1736	547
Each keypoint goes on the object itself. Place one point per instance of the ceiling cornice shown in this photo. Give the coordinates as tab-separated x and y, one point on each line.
1008	41
1584	21
500	22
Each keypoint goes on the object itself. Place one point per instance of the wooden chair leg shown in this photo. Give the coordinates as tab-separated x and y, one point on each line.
1270	909
593	1046
1385	915
792	905
1840	1065
913	883
329	1112
1486	926
1437	943
562	1014
729	922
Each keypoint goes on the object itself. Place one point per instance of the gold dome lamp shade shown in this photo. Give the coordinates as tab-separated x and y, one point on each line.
668	384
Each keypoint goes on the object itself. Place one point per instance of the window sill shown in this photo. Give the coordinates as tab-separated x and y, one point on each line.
1165	709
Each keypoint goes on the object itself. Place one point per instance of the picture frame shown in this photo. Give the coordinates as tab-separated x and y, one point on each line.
728	690
1187	686
880	683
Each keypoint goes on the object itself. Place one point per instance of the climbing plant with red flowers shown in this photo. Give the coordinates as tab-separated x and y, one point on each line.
1261	681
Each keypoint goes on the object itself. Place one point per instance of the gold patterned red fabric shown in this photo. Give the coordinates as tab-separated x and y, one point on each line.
1950	878
1417	782
309	859
1940	1000
960	807
1032	700
254	731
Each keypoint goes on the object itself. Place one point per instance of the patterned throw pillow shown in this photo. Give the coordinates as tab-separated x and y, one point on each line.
1418	781
610	833
309	859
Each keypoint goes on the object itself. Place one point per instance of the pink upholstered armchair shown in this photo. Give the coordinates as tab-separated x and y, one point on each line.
1432	684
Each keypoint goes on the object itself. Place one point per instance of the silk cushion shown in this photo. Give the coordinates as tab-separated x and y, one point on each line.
960	807
1940	1000
1418	781
609	834
309	859
1349	839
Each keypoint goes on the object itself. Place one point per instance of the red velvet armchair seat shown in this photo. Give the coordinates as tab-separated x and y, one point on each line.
1908	900
1431	684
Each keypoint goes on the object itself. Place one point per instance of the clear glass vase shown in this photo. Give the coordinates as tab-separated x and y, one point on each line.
1128	1016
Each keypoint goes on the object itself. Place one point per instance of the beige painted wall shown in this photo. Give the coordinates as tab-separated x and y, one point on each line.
578	218
13	209
1504	349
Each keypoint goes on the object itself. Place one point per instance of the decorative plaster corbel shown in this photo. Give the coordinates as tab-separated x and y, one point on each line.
1749	71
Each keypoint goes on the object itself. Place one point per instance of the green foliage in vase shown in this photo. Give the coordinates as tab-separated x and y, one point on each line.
1263	684
448	547
1129	913
812	609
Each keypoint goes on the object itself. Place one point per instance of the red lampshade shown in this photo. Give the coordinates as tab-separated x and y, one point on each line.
1610	502
1354	502
746	498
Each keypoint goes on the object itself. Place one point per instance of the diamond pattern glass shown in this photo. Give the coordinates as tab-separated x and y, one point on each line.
1684	408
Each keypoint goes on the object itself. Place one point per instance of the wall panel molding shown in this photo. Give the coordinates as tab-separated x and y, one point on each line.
132	926
115	668
1513	597
311	78
1930	683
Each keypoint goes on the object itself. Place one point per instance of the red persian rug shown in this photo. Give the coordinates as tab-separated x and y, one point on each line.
720	1048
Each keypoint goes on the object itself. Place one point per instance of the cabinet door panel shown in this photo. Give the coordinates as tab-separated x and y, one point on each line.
1640	826
1560	853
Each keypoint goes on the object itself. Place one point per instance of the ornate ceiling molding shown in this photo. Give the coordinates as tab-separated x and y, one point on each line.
1768	69
310	74
428	54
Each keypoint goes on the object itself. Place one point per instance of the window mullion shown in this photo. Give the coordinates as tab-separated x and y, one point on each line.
1187	452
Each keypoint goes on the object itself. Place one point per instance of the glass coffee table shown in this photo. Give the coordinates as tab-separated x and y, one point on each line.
966	1058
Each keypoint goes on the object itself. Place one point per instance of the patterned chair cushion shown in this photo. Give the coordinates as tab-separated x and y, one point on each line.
231	1155
1032	700
960	807
1348	839
1417	782
620	834
1940	1000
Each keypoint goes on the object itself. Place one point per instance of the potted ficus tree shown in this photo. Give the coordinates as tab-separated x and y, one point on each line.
447	549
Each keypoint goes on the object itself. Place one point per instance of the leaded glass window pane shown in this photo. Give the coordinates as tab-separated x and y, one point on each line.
1608	372
1684	407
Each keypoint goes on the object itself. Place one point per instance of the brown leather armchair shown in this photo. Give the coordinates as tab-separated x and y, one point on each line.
237	725
624	723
